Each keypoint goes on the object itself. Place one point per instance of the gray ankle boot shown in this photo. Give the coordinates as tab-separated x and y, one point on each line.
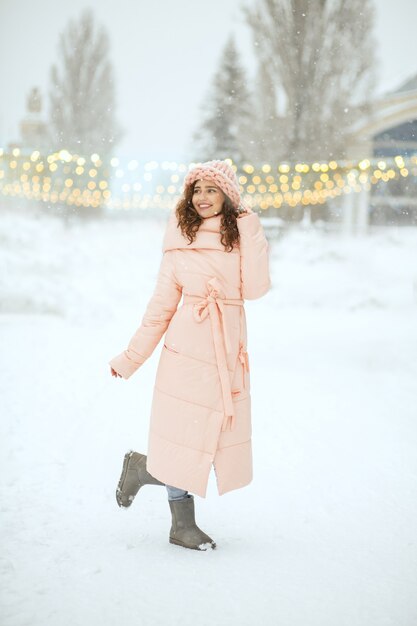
134	476
184	531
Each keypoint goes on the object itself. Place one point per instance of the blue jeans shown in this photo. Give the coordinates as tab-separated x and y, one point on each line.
176	494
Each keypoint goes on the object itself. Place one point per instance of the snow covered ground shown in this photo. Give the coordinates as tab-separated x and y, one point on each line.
326	533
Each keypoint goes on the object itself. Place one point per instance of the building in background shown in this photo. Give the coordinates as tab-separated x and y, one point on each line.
388	131
33	128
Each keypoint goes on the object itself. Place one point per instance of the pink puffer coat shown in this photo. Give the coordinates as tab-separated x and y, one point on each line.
201	404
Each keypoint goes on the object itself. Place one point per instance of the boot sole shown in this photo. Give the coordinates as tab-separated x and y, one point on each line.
119	489
177	542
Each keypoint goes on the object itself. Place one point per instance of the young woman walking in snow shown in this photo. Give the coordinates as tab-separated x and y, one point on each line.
215	255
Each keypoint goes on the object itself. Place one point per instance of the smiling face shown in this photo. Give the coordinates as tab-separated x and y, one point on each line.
207	198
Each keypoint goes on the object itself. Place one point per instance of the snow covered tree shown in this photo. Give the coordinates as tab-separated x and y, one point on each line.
82	95
320	56
225	130
269	126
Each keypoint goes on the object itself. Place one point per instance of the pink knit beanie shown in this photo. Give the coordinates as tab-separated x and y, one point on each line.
221	174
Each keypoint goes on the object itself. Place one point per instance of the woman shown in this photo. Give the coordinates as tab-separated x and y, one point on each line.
214	255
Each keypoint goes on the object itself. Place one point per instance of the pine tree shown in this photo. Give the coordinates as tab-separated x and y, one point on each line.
82	95
225	131
320	55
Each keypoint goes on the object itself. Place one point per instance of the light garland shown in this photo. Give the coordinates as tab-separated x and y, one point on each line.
81	181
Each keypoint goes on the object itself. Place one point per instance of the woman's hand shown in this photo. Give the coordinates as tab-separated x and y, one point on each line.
114	373
242	211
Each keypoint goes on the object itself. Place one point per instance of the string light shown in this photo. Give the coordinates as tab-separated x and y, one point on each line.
126	184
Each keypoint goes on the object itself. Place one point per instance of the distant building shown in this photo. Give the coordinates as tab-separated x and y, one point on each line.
33	128
400	137
388	130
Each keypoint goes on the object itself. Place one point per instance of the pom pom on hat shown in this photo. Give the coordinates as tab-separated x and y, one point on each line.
221	173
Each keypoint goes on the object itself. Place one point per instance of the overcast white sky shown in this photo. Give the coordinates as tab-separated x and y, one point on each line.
164	53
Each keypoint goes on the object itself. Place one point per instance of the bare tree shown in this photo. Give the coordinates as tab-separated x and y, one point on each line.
82	95
225	130
268	123
320	56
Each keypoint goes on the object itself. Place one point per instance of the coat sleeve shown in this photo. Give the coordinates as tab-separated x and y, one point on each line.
160	309
254	257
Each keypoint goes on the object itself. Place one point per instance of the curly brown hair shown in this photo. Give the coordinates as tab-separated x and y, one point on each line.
189	220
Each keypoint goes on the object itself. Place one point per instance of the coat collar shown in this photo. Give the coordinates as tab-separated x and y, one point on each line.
207	236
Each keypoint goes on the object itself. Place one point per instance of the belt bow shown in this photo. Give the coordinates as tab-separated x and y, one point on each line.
213	306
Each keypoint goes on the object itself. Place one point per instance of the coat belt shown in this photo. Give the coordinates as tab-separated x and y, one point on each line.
212	306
